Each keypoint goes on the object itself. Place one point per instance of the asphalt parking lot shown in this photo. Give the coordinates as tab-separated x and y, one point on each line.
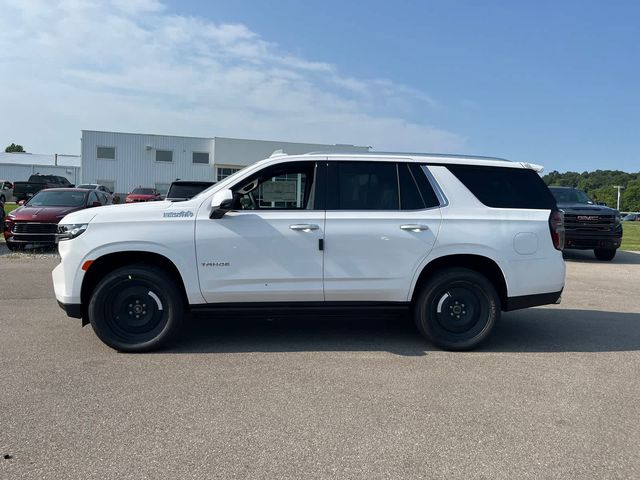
554	394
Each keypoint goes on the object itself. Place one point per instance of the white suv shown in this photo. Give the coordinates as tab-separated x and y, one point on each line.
456	239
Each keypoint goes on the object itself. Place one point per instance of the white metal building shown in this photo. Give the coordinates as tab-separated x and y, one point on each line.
18	167
122	161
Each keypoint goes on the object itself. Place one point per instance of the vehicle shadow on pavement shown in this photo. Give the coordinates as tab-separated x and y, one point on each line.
587	256
394	333
532	330
565	330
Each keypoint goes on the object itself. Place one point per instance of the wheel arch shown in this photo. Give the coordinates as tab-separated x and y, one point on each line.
111	261
479	263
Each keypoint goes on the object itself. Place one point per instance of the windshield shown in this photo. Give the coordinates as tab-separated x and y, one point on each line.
230	177
571	195
143	191
52	198
185	191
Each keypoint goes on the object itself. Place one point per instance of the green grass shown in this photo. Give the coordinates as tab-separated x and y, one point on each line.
630	236
10	206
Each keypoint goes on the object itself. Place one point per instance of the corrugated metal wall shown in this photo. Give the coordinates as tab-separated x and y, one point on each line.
135	163
21	173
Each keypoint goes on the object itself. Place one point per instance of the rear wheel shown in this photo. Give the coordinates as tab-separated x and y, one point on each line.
457	309
605	254
136	309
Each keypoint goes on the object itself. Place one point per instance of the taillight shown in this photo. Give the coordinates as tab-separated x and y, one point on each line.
556	227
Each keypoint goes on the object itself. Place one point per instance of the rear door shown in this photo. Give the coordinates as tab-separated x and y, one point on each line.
382	220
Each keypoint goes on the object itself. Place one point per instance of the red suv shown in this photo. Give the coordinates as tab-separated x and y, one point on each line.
143	194
36	222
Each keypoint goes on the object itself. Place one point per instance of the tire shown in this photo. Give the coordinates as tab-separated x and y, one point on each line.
2	199
136	308
13	247
472	304
605	254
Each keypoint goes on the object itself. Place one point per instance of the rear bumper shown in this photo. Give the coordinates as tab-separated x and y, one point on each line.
73	310
526	301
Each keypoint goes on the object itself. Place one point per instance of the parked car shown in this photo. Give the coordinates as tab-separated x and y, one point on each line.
36	222
143	194
37	182
452	239
632	217
98	188
185	189
588	226
6	191
95	186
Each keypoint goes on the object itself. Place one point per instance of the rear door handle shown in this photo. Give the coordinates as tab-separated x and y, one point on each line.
304	227
414	227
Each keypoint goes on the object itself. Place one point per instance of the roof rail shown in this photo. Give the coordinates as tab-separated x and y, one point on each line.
411	154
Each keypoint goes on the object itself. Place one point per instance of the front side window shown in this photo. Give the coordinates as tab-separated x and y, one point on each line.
106	153
288	186
164	156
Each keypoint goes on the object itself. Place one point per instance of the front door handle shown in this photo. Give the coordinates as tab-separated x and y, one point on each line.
414	227
304	227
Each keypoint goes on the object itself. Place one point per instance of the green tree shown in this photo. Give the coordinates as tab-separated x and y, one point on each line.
14	148
630	197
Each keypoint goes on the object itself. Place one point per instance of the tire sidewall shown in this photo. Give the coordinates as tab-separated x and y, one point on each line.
173	310
425	301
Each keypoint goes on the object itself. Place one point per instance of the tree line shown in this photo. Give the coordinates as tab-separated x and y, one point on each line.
599	185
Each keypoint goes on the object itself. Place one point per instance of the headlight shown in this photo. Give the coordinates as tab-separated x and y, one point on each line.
71	230
618	219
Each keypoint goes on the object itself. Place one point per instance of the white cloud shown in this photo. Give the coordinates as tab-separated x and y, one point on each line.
130	65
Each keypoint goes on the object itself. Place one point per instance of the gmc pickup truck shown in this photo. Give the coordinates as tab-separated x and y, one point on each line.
37	182
588	225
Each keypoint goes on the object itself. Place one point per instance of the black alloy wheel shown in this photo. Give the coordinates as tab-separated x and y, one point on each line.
457	309
136	309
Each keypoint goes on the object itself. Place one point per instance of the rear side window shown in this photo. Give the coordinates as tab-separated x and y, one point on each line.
378	186
504	187
367	186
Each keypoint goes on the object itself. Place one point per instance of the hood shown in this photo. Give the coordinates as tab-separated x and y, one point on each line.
585	207
121	212
42	214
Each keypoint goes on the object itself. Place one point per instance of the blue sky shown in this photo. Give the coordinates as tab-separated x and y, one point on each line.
554	83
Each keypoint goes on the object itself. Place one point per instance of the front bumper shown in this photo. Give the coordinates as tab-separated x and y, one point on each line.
73	310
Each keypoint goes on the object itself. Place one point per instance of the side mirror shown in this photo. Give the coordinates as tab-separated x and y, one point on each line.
221	203
22	202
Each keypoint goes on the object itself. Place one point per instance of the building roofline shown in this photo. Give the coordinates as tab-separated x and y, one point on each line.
146	134
344	145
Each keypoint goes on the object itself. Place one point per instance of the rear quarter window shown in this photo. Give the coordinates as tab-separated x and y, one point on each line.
504	187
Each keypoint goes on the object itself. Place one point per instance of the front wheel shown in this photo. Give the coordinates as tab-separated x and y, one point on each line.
457	309
605	254
136	309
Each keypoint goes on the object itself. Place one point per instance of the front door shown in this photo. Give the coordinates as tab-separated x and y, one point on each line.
268	248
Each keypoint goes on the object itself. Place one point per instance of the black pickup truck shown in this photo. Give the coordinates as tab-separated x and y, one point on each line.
37	182
588	226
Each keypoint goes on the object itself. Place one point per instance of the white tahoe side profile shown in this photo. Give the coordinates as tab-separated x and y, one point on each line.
456	239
